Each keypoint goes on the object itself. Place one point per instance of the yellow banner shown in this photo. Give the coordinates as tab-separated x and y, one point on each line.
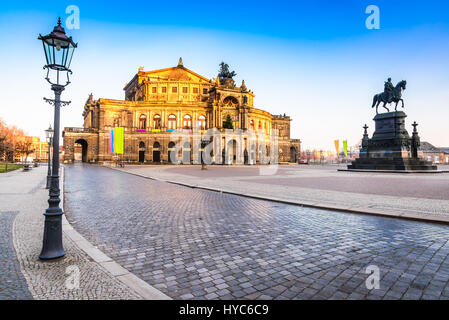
118	140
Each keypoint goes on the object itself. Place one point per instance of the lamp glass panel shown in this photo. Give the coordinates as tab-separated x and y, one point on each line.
59	53
70	52
48	53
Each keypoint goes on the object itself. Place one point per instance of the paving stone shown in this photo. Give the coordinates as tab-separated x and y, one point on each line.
26	195
13	285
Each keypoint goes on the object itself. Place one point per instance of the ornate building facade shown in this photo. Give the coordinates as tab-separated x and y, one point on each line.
162	102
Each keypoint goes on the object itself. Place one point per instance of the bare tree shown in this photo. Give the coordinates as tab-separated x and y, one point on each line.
9	137
24	147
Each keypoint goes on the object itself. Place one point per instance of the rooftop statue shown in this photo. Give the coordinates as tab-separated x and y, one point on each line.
390	94
224	72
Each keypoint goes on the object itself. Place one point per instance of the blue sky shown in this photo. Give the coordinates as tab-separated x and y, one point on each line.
314	60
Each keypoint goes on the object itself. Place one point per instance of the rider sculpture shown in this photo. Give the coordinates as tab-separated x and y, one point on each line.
388	90
390	94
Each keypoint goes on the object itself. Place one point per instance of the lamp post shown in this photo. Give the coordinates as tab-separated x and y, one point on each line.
58	49
203	146
49	137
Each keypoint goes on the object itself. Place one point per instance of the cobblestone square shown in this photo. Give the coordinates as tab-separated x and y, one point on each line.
197	244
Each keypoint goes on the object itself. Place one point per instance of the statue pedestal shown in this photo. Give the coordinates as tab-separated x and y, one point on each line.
391	148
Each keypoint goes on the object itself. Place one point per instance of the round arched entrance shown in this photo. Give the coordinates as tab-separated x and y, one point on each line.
156	152
245	157
232	152
142	152
186	153
252	159
172	152
80	150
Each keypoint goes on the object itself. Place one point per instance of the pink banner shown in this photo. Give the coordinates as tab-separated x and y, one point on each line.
111	141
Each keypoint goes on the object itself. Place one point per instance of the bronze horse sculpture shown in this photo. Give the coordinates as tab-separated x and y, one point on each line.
395	96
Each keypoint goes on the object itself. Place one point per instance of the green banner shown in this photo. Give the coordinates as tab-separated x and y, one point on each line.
118	140
345	147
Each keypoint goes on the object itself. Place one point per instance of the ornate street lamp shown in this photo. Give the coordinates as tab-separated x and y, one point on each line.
58	49
49	138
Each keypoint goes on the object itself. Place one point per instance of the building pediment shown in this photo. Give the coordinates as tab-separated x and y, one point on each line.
178	73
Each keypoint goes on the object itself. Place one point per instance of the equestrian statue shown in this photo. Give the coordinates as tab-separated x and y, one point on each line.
390	94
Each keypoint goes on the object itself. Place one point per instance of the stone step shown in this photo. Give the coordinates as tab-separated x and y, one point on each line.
409	164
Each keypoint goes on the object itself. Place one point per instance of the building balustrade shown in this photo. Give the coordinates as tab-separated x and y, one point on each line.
80	130
154	102
159	130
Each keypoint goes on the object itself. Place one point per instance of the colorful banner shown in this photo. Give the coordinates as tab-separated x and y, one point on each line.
337	147
111	141
345	147
118	140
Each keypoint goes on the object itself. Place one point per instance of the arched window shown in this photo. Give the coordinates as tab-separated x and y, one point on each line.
157	122
202	122
231	101
251	125
260	125
187	123
142	121
172	121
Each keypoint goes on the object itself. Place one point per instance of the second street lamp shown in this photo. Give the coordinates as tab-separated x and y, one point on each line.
49	137
203	155
58	49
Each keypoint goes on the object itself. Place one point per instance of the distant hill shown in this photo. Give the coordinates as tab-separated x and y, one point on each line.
428	147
